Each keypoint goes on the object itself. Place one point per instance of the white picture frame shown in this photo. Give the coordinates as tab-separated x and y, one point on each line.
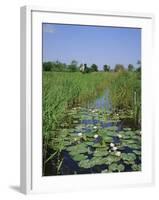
31	99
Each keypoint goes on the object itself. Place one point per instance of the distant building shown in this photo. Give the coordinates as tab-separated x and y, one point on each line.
82	68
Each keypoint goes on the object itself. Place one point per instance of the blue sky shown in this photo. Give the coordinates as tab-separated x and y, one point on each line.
91	44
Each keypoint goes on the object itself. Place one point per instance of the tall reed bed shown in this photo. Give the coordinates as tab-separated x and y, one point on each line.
62	90
125	92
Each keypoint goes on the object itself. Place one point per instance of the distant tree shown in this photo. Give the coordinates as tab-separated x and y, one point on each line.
94	68
119	68
59	67
139	66
130	68
47	66
73	66
74	62
106	68
138	69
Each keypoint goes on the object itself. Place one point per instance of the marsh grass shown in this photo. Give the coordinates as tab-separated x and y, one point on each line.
125	93
64	90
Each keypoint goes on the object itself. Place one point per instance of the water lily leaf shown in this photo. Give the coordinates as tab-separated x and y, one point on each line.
121	132
100	152
89	143
97	161
79	157
111	158
77	148
71	148
129	162
86	117
136	167
78	151
128	156
112	128
116	167
134	146
127	129
128	135
90	134
127	142
84	164
137	152
138	132
107	139
113	167
121	167
99	145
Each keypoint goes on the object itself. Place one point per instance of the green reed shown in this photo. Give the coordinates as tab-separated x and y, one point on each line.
125	93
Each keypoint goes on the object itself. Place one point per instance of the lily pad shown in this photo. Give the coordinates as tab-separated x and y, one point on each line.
136	167
97	161
100	152
116	167
128	158
85	164
127	129
89	143
137	152
79	157
112	128
77	149
133	146
111	158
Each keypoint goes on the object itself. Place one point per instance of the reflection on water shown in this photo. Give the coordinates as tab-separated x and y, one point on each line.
102	102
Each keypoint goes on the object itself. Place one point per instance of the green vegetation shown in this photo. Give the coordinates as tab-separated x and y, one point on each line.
58	66
125	93
63	90
97	147
106	68
65	95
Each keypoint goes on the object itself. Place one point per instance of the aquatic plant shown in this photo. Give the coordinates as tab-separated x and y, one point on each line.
84	132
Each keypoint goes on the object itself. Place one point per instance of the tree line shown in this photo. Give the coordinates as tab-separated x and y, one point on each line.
74	67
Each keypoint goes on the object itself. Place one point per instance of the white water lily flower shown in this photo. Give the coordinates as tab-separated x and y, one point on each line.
95	127
112	144
120	136
95	136
117	114
118	153
114	148
79	134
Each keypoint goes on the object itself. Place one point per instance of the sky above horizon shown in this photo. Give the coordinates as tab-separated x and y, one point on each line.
91	44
